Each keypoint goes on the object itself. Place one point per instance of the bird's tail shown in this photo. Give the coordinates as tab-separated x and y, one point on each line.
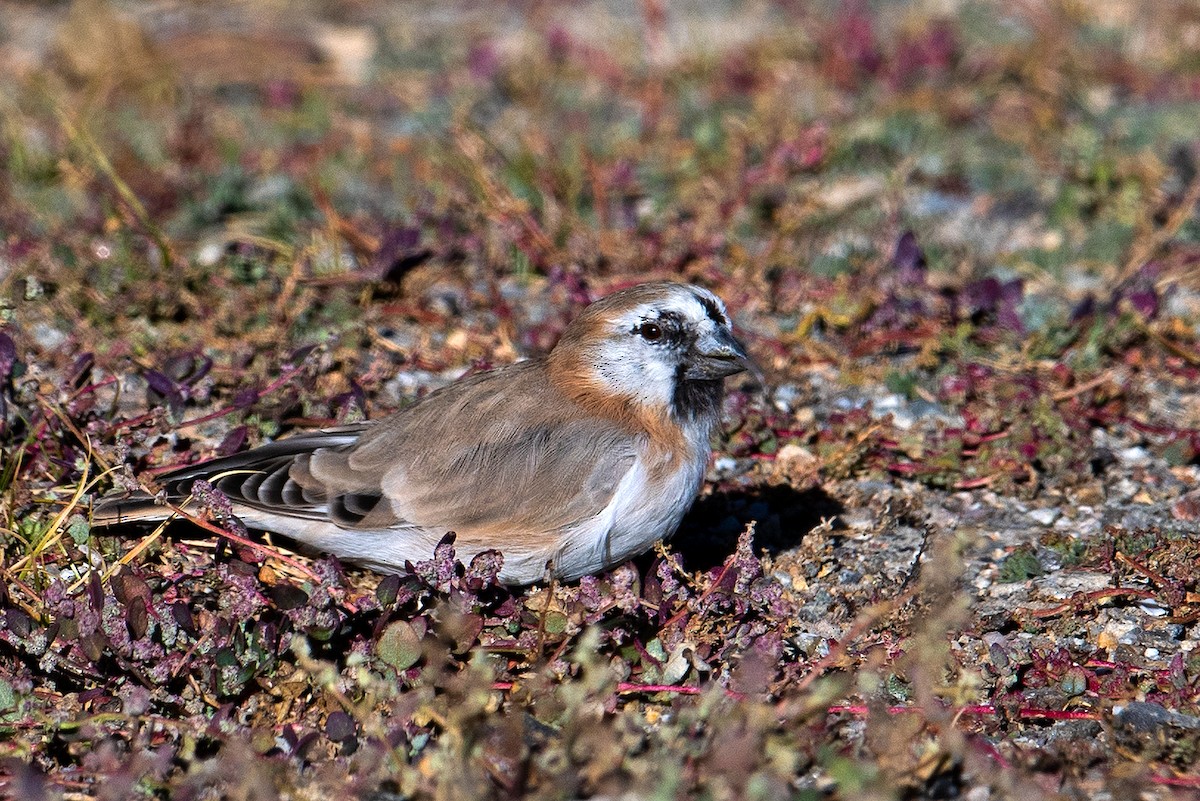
177	485
132	508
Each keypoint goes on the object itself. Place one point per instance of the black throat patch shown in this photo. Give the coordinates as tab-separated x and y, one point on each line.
696	400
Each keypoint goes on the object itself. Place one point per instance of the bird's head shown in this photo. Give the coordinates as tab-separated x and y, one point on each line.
662	346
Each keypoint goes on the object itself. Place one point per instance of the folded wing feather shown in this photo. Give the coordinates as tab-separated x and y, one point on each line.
423	468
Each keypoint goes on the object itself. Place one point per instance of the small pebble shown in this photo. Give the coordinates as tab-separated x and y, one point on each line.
1045	517
725	465
1136	456
1153	608
786	397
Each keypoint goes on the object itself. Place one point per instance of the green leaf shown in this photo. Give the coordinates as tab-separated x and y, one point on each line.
78	529
399	647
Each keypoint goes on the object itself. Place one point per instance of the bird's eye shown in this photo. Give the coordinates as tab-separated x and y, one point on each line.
651	332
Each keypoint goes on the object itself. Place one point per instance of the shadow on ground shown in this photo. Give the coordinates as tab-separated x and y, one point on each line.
782	516
705	539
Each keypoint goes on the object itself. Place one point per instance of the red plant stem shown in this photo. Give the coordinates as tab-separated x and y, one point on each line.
112	379
258	547
976	483
1024	713
1157	578
1147	428
646	655
632	687
132	422
258	395
675	618
1101	663
204	418
1033	712
985	745
1177	781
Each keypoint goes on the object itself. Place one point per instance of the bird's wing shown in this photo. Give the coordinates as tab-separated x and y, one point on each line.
495	454
499	453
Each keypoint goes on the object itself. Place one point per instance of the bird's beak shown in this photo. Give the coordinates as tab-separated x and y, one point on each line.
715	356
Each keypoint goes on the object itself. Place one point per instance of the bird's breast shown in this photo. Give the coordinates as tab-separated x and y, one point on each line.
647	506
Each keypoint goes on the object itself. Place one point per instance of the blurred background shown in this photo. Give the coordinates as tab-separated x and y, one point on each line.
1043	140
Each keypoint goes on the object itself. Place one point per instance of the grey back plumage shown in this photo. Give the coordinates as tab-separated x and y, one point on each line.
421	468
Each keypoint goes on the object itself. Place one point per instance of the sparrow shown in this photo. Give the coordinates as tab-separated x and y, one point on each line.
567	465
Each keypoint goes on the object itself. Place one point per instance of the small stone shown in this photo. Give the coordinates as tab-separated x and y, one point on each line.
797	465
978	794
1187	508
1136	456
1045	517
786	397
1153	731
1153	608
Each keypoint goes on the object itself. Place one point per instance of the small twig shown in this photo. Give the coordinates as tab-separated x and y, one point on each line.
1157	578
1079	389
1147	246
79	435
25	588
1077	601
1189	356
189	653
101	161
